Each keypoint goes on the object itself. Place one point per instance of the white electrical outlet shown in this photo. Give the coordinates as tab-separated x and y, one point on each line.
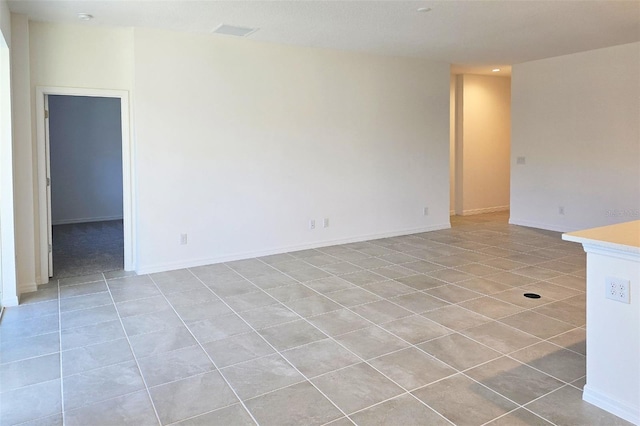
325	222
183	239
312	224
617	289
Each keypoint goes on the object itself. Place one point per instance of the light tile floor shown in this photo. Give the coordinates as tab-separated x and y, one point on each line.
430	328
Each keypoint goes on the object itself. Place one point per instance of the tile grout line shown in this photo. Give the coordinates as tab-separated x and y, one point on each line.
135	358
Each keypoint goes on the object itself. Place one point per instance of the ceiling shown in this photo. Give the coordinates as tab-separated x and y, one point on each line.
474	36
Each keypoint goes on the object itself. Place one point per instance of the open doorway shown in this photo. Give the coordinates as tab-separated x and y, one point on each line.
85	159
84	182
480	144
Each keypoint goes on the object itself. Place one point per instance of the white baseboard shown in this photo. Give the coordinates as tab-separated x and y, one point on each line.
540	225
169	266
620	409
485	210
85	220
27	287
9	301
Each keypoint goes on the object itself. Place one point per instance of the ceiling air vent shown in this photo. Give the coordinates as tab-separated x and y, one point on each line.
232	30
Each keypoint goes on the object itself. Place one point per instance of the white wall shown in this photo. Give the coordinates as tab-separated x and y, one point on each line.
240	144
23	154
8	286
452	145
106	62
484	118
86	159
576	119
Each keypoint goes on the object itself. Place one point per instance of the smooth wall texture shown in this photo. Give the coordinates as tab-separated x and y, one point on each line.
576	119
240	144
106	62
485	122
23	154
85	136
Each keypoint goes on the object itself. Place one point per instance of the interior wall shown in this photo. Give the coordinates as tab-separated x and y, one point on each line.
452	145
576	121
8	286
23	154
85	137
106	62
240	144
484	143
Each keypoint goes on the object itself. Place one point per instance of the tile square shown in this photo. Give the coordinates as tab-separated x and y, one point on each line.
131	409
540	326
175	365
480	404
87	358
29	371
563	311
19	349
574	340
363	278
191	396
269	316
483	286
320	357
356	387
329	285
419	302
101	384
202	311
88	316
421	282
240	348
218	328
381	311
371	342
290	293
387	289
191	297
91	334
130	288
415	329
142	306
248	301
261	375
411	368
82	289
234	415
153	321
452	293
553	360
313	305
500	337
292	334
459	351
490	307
353	297
161	341
403	410
456	317
565	407
30	403
339	322
515	381
300	404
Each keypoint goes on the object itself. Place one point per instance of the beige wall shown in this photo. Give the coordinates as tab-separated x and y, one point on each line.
483	143
23	155
576	119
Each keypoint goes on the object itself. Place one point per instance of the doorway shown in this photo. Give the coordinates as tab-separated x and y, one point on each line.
84	181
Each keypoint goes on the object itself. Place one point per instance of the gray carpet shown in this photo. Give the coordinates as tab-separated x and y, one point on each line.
87	248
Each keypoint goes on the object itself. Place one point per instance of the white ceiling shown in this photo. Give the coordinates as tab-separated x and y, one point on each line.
474	35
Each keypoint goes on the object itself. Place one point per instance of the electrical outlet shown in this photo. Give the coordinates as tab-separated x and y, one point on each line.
617	289
325	222
312	224
561	210
521	160
183	239
425	211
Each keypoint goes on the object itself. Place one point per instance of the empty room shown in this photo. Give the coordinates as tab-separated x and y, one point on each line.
319	212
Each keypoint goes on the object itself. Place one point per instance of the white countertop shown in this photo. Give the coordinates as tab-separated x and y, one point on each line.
622	236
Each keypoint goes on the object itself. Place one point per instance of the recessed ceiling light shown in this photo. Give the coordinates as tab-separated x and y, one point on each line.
495	70
85	16
424	9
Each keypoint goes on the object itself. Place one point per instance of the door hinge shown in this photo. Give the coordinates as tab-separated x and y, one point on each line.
48	181
50	248
46	113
